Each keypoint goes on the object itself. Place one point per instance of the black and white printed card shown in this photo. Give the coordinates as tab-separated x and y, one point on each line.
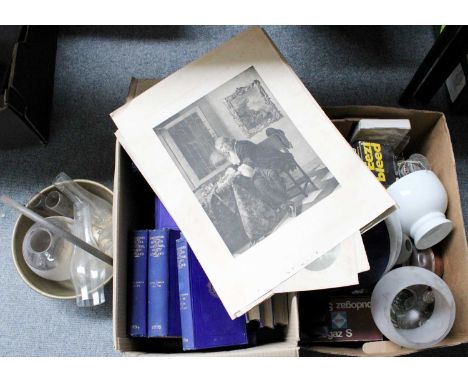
249	166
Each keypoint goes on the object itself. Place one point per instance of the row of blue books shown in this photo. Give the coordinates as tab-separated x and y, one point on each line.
154	284
171	296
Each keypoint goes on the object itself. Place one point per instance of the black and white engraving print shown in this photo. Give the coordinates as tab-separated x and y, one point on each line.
247	164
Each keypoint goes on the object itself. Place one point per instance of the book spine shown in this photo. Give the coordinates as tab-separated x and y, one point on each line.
254	314
139	257
266	313
158	283
186	314
280	309
174	329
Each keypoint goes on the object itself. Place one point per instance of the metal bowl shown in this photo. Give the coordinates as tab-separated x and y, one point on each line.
62	290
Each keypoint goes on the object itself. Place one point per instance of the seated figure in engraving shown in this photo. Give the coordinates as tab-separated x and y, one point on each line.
262	165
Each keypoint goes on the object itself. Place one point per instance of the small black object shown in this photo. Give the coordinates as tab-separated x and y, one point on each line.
448	50
27	66
377	245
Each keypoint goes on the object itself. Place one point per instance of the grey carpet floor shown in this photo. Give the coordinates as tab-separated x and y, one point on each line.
339	65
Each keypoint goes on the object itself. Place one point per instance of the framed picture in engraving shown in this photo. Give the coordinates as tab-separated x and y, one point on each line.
252	108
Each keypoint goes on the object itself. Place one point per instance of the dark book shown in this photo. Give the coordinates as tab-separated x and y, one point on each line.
340	316
379	158
138	283
204	320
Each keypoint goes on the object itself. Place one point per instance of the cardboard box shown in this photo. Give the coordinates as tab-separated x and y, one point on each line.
429	136
126	198
327	319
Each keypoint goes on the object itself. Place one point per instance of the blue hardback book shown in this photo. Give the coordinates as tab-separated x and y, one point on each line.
163	285
158	282
204	320
138	280
162	218
174	326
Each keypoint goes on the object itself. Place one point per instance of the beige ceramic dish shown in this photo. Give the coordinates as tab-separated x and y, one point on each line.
53	289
